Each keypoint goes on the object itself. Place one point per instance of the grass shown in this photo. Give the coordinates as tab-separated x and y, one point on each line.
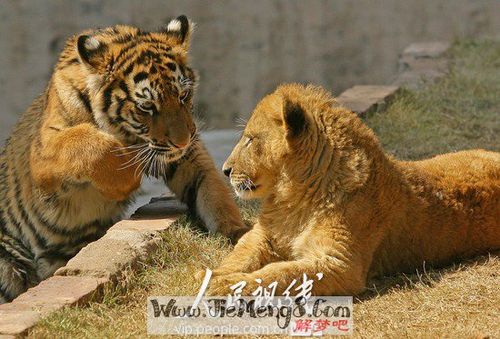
459	112
462	111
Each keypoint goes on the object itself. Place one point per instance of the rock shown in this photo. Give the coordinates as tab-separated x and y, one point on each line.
160	208
109	256
365	99
50	295
126	243
422	62
433	49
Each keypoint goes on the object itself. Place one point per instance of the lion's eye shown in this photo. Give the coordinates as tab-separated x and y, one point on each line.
248	141
184	96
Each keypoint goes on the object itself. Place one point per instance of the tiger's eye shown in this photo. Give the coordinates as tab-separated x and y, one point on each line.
147	105
184	96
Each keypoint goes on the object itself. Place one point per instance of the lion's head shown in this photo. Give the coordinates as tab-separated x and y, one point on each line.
298	134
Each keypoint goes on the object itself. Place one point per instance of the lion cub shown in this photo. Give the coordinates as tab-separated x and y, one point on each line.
335	203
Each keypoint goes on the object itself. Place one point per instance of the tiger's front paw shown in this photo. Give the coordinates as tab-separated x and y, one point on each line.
117	175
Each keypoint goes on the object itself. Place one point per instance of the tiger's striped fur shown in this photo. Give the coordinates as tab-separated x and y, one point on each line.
118	105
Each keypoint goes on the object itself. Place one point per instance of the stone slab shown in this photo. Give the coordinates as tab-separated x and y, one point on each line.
14	321
50	295
160	208
366	98
144	225
127	242
110	255
421	63
429	49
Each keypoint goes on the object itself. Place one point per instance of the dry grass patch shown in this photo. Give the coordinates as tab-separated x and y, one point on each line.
460	112
457	302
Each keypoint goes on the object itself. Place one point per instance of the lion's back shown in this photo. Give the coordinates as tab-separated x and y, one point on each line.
460	170
467	183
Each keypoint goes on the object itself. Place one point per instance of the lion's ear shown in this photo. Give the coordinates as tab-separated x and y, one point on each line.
181	29
92	53
294	118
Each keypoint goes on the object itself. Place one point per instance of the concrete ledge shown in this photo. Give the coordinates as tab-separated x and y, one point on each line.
160	208
126	243
365	99
110	255
98	264
38	302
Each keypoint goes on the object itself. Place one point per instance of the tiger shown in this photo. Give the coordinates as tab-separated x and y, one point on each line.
117	107
338	210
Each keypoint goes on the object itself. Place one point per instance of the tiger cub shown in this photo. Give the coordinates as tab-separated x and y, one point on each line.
117	106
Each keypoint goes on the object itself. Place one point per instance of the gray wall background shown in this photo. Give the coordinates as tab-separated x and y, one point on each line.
242	49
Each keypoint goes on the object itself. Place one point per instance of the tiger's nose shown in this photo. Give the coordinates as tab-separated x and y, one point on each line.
180	144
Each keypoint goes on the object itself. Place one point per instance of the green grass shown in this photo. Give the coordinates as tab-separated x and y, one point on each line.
462	111
459	112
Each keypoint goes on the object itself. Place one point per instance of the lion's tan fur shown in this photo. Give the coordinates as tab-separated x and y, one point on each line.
334	202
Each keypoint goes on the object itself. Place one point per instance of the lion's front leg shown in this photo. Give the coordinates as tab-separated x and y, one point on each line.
196	182
252	252
330	276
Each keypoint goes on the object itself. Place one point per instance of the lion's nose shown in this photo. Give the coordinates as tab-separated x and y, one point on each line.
227	171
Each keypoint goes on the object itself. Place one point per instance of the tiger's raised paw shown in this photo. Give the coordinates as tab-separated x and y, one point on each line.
118	175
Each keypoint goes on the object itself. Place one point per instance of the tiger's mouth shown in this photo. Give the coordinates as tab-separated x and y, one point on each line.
160	148
153	160
167	152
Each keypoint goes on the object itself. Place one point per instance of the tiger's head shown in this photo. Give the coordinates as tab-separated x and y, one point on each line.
136	85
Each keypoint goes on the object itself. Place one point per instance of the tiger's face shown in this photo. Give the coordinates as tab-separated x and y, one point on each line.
140	87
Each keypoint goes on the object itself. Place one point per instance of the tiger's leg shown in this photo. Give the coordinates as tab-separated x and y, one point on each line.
16	273
83	154
196	182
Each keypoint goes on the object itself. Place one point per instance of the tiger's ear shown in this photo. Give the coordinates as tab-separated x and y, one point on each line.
92	53
294	118
181	29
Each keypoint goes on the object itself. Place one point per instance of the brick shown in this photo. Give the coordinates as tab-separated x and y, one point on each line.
127	242
364	99
160	208
56	292
14	321
144	225
50	295
110	255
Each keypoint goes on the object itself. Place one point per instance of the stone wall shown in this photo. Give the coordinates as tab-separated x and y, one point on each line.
242	49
